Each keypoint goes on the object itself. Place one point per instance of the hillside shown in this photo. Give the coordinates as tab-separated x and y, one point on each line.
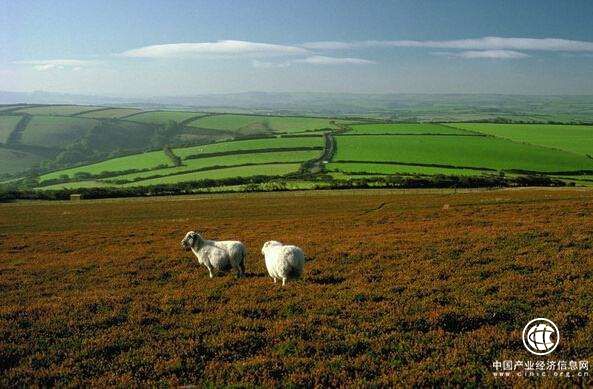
71	146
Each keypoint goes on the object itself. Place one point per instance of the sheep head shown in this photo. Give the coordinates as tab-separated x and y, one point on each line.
189	240
269	244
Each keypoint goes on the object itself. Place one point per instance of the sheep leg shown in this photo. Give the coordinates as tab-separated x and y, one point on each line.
283	281
210	271
274	278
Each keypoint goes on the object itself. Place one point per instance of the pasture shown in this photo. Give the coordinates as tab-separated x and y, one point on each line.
261	123
162	117
406	128
7	124
14	161
250	145
453	151
397	291
382	168
55	131
112	113
147	160
577	139
56	110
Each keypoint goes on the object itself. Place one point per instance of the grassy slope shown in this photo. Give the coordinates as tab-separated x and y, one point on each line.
278	124
578	139
137	161
55	131
161	117
466	151
250	144
111	113
225	160
64	110
241	171
14	161
406	128
7	124
399	169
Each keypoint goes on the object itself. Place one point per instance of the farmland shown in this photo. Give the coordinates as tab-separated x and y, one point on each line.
261	123
55	131
119	146
400	293
470	151
578	139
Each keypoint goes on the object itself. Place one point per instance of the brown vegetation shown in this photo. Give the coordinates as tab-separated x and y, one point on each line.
398	289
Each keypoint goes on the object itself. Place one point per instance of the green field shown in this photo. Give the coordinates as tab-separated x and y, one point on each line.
55	131
162	117
224	160
261	123
60	110
405	128
252	144
241	171
470	151
378	168
148	160
14	161
112	113
578	139
7	124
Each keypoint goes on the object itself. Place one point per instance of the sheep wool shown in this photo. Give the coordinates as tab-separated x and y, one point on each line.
283	261
216	256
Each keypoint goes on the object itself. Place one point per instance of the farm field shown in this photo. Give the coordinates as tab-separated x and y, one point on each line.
251	144
58	110
578	139
275	169
223	161
400	293
467	151
55	131
406	128
162	117
7	124
112	113
261	123
379	168
148	160
14	161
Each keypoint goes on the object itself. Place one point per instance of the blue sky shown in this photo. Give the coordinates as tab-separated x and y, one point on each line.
152	48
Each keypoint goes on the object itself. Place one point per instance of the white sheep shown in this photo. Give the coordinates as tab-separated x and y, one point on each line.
216	255
283	261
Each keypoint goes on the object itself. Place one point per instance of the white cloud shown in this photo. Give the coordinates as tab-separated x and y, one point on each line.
219	48
488	54
486	43
49	64
322	60
267	65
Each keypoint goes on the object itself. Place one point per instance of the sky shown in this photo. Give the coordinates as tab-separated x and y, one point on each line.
183	48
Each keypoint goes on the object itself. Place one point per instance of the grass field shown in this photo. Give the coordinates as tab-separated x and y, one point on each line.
136	161
262	123
470	151
377	168
406	128
56	131
7	124
13	161
112	113
162	117
578	139
397	292
251	144
225	160
60	110
218	174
